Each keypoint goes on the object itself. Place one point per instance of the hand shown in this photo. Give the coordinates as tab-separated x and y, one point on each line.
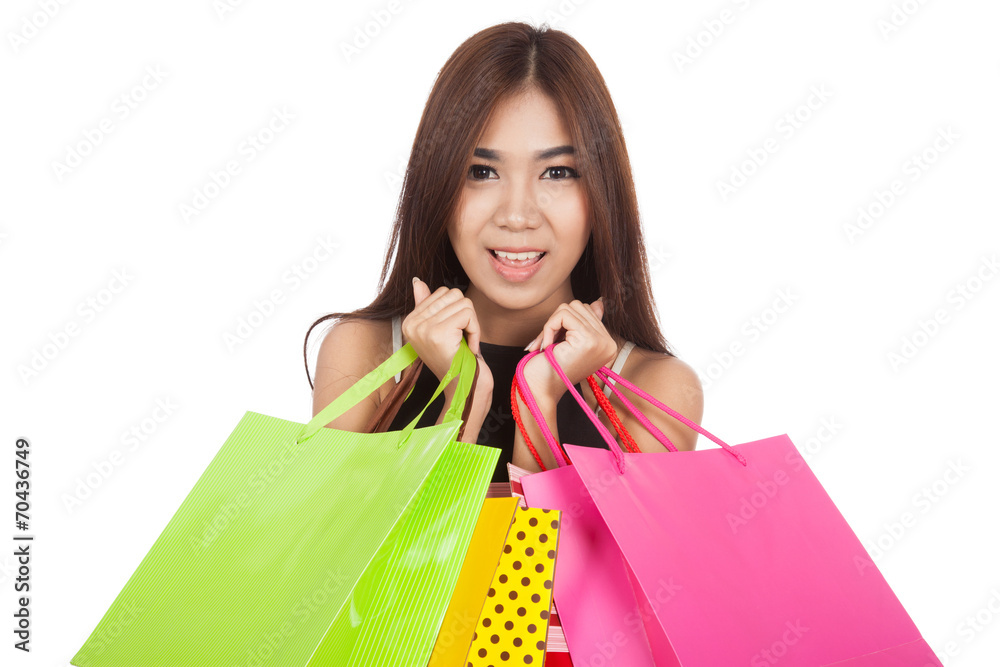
436	325
587	346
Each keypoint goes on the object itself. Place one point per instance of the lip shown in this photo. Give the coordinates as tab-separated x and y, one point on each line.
515	274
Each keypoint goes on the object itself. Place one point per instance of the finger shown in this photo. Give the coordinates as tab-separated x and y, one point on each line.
588	312
533	344
420	291
437	300
461	315
563	318
598	308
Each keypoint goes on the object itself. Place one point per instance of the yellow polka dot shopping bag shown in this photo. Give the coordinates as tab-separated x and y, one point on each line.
514	621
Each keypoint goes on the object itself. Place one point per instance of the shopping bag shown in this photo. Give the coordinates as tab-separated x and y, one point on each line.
740	552
557	653
481	558
513	624
290	527
601	618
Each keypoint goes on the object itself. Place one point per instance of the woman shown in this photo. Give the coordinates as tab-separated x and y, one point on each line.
517	227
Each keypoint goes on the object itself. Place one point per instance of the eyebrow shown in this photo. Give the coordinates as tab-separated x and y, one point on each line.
490	154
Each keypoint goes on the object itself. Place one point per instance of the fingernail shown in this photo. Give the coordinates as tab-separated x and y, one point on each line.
415	279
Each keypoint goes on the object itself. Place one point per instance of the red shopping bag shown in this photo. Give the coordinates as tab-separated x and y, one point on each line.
738	554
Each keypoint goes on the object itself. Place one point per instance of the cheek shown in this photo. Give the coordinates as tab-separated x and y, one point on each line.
569	209
462	231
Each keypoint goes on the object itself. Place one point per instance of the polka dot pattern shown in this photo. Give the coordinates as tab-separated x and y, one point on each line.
514	622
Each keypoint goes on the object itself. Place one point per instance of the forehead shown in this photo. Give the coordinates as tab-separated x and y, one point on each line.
524	124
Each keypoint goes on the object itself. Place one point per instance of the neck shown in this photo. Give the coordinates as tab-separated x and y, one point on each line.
515	326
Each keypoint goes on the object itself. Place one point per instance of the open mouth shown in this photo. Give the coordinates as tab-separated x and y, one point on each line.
515	259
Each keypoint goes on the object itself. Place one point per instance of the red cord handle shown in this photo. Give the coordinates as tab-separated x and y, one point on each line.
627	440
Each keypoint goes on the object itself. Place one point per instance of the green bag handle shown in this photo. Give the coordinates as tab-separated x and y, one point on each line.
463	365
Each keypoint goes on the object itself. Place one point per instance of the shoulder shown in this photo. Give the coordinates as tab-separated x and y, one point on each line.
358	339
673	382
349	350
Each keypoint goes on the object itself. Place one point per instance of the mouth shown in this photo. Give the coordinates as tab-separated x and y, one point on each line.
516	267
517	259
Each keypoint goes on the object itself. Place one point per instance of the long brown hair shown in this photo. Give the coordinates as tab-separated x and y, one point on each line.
488	67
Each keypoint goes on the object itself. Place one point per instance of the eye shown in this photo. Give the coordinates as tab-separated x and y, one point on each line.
477	170
567	172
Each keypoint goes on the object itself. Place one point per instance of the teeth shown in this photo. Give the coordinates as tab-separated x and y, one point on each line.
517	255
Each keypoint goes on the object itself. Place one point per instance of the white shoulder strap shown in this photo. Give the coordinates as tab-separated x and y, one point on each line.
397	338
618	365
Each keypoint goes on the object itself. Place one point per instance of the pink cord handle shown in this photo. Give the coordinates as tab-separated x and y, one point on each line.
607	374
664	440
536	412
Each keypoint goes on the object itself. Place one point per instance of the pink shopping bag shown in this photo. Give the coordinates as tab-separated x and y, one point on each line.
738	552
602	619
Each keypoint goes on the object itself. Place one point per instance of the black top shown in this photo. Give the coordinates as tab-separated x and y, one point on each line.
499	426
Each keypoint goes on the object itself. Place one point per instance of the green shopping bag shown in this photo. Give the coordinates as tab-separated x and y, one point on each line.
303	545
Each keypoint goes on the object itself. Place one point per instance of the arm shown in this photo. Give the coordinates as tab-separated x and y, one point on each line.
348	352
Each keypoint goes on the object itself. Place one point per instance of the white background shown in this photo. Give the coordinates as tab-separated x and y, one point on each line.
333	173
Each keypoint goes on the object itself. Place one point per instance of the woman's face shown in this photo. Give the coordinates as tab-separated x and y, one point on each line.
521	193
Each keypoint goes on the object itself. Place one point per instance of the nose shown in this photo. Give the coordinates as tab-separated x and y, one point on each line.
518	208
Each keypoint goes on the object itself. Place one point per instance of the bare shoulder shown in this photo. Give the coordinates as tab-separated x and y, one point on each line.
348	352
673	382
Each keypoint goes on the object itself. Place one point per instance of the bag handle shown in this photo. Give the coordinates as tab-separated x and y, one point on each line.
605	373
461	364
627	441
536	412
